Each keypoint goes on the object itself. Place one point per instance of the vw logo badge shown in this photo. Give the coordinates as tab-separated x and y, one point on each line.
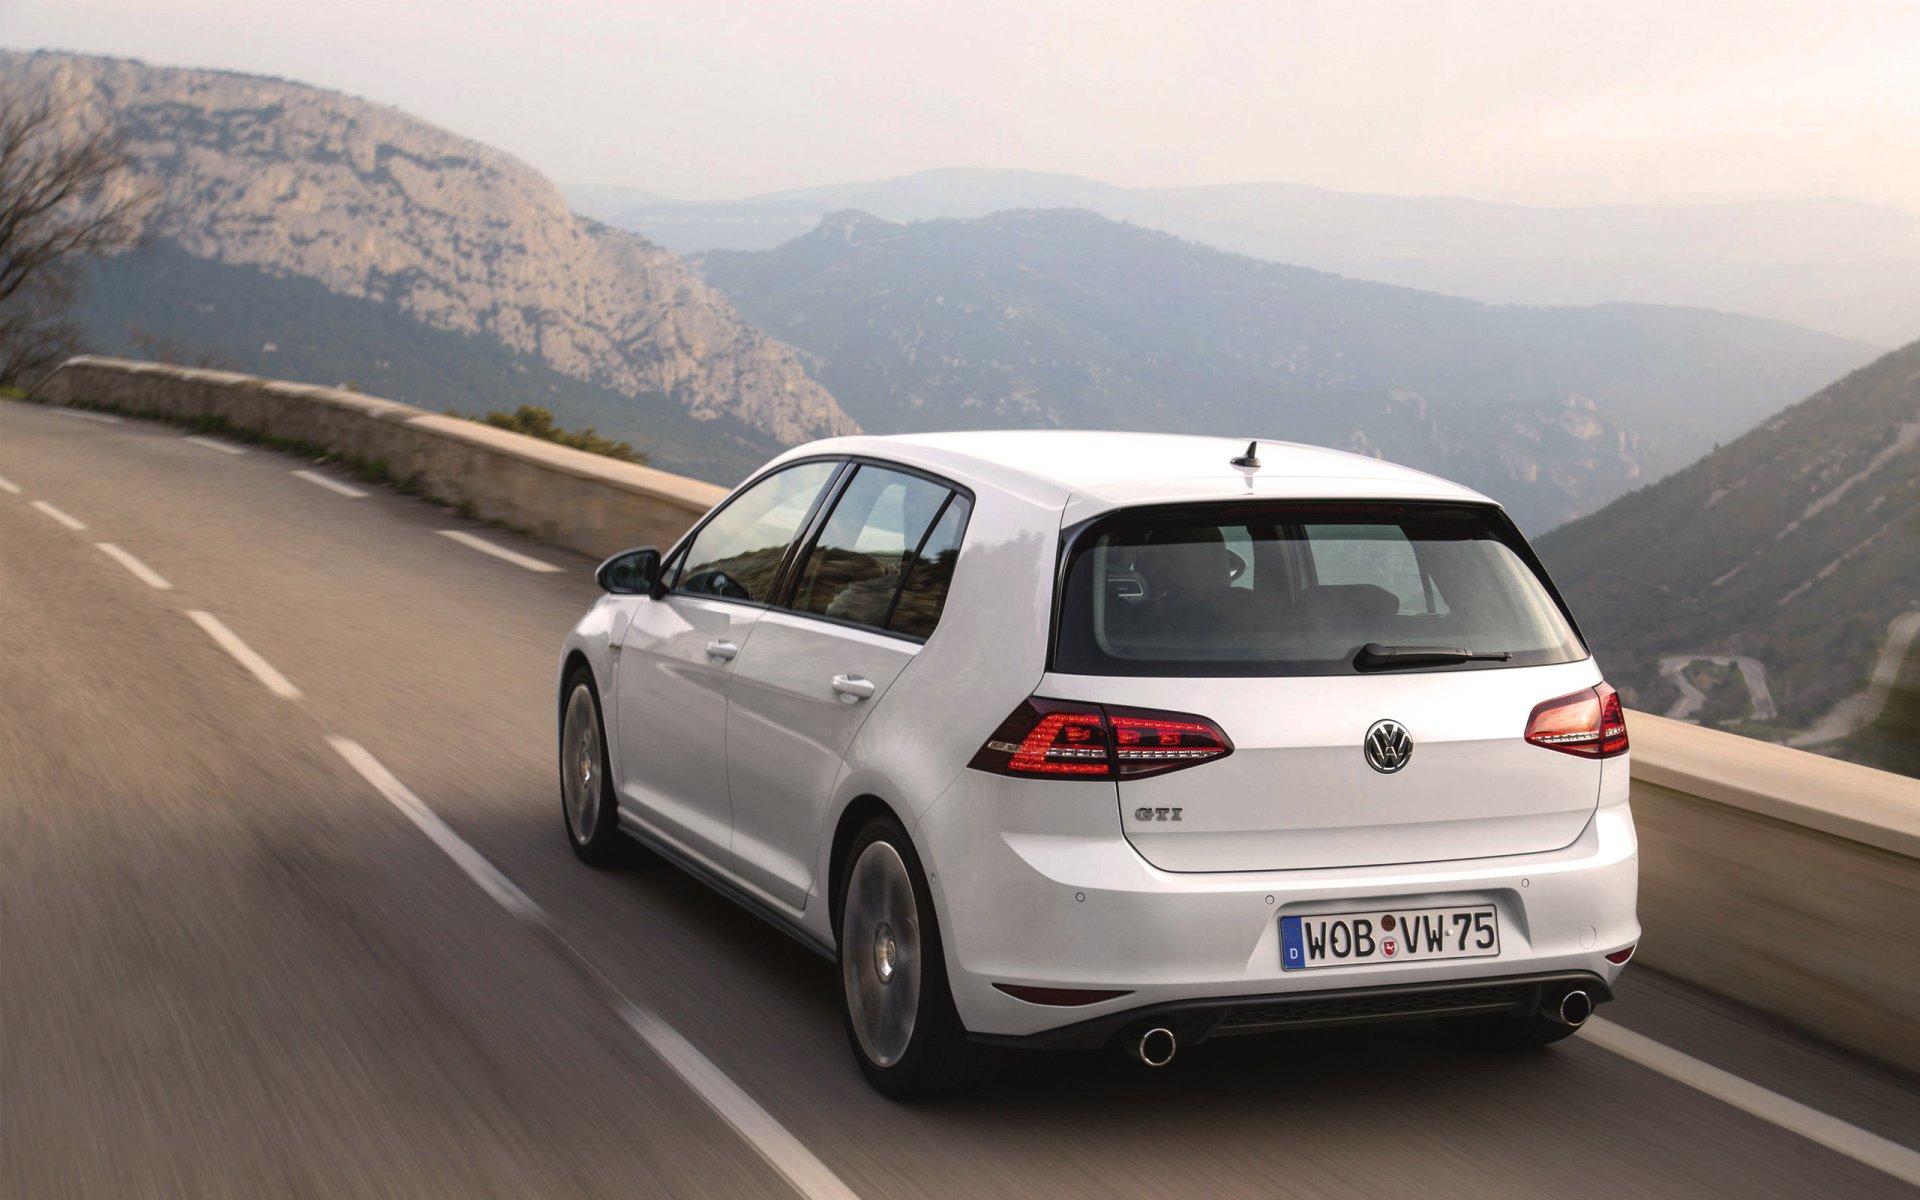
1387	747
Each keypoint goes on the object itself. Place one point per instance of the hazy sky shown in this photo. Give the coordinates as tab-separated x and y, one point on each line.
1548	101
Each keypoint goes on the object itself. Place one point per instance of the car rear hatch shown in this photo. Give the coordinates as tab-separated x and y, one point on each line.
1301	633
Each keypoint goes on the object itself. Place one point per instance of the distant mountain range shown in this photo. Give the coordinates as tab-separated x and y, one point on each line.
1840	266
443	235
1797	546
309	235
1061	318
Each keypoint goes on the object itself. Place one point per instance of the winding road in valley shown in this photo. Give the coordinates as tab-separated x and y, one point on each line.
1692	699
286	909
1862	708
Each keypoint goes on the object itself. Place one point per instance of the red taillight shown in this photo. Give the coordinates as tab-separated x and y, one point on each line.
1619	957
1065	739
1588	723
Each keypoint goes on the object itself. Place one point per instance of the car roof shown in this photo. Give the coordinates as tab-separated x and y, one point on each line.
1107	469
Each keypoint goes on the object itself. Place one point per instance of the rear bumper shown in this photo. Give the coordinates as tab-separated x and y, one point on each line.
1034	885
1194	1021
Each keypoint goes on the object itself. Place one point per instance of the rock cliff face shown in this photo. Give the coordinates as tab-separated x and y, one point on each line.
374	204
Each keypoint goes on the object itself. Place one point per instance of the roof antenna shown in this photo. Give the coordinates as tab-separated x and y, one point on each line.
1251	458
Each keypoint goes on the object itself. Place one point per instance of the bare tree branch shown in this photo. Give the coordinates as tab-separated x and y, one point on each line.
65	195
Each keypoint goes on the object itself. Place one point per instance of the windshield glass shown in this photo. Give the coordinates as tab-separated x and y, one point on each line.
1300	589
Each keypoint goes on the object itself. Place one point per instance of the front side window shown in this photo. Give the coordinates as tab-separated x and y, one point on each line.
737	554
1297	589
883	531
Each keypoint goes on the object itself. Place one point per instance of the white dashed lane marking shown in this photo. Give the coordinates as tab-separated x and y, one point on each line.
1810	1123
141	571
332	485
71	522
809	1176
214	444
84	415
478	869
9	487
500	552
245	655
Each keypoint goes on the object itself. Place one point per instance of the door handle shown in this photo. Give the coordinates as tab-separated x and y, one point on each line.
724	651
852	688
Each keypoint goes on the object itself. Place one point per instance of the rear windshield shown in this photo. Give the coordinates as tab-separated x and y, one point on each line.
1301	589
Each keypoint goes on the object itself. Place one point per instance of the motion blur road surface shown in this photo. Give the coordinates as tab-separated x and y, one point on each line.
229	964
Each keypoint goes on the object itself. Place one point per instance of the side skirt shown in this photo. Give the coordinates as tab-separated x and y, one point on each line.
725	887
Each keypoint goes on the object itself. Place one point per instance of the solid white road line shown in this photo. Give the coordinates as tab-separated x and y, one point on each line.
141	571
783	1152
332	485
214	444
809	1176
56	514
500	552
478	869
84	415
9	486
244	654
1836	1135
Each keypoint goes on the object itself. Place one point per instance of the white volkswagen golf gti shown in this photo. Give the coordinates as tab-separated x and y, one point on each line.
1078	739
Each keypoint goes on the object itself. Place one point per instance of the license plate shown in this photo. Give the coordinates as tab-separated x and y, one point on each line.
1388	935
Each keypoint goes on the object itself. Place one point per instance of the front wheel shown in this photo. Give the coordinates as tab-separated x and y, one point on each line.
586	786
899	1011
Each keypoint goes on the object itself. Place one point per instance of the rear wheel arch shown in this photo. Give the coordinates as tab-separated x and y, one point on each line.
853	818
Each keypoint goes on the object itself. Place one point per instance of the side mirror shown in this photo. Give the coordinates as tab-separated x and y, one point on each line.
630	572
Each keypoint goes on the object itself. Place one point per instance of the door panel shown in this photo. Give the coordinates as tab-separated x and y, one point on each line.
788	730
804	687
677	658
672	716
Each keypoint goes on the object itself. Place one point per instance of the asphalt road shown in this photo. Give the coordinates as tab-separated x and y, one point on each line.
230	964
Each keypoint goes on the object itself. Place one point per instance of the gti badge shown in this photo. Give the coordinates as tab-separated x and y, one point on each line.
1387	747
1157	814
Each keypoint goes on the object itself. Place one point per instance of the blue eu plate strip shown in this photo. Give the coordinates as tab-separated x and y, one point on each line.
1293	951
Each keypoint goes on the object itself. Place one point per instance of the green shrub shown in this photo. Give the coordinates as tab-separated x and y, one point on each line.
535	421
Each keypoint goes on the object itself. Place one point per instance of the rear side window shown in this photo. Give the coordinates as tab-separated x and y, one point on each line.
1300	589
925	592
884	555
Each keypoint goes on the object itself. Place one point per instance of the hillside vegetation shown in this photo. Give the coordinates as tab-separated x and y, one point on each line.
1064	319
1797	544
164	302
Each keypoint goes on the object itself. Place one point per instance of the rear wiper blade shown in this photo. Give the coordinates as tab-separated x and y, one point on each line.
1375	657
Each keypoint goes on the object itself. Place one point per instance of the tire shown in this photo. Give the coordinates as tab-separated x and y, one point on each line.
587	804
894	996
1509	1032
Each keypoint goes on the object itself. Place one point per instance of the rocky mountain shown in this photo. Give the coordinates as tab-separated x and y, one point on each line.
1796	547
1840	266
374	205
163	303
1061	318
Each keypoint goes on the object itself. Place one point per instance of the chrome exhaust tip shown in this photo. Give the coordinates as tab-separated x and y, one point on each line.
1573	1010
1156	1047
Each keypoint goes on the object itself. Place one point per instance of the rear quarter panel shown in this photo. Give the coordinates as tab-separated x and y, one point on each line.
985	656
